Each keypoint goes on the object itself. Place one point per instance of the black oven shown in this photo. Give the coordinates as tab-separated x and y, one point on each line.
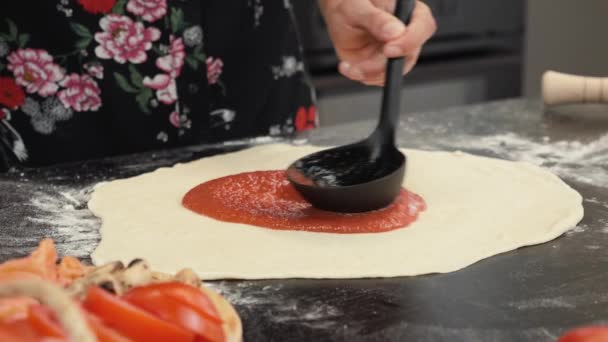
464	27
476	55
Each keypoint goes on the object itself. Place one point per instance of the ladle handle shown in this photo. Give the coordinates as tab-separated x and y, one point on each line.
391	97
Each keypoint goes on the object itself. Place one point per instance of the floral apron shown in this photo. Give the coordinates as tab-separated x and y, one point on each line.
83	79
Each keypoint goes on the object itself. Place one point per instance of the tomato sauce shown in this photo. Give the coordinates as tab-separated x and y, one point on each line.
267	199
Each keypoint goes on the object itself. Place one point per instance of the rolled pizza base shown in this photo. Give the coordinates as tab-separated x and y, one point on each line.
476	207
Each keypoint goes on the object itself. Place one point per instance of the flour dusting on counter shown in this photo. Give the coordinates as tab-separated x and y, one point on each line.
278	306
543	303
585	162
65	212
581	228
596	201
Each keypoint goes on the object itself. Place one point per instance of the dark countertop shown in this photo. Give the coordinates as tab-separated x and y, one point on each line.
531	294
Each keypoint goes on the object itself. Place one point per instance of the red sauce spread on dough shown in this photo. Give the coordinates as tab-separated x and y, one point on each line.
267	199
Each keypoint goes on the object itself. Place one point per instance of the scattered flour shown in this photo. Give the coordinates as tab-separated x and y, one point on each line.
578	229
582	162
543	303
70	198
279	307
562	302
594	200
66	212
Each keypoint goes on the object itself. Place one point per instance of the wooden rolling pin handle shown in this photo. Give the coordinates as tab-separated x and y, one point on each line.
559	88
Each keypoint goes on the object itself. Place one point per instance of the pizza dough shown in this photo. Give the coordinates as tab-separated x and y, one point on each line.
476	208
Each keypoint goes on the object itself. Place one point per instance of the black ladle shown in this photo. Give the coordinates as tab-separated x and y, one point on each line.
363	176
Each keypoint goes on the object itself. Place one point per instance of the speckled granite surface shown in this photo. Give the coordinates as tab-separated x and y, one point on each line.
532	294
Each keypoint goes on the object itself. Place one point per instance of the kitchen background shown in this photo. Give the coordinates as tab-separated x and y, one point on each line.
484	50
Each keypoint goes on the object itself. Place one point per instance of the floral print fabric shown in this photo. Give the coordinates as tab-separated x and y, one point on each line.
124	40
35	70
89	78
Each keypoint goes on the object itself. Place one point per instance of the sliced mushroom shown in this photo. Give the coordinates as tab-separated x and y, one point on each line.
109	267
135	261
137	274
159	277
115	278
187	276
106	280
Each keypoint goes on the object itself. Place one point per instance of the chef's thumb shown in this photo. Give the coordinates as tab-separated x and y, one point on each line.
382	25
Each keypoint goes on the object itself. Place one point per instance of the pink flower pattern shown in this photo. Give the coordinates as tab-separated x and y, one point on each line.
35	70
173	62
148	10
124	40
214	69
166	89
175	119
95	70
81	93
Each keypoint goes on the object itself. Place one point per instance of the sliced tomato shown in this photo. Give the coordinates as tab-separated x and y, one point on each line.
20	331
160	303
587	334
103	332
9	335
186	294
43	321
131	321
